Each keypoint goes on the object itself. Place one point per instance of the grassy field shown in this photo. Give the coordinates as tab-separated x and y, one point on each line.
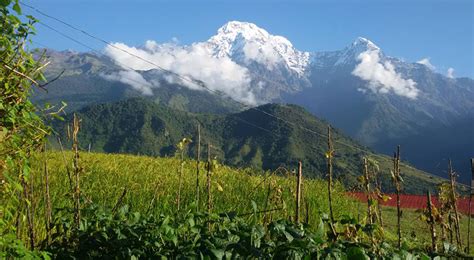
151	185
415	230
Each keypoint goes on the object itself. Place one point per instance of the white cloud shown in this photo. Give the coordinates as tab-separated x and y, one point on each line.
427	63
263	53
450	73
196	61
133	79
382	77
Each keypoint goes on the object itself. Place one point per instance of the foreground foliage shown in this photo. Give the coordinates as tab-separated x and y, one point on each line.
127	235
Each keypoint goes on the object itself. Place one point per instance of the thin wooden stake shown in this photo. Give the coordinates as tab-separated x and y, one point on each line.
452	176
378	184
119	201
198	158
180	181
209	165
329	166
396	169
77	191
434	247
470	208
66	165
306	219
298	192
29	213
367	192
269	191
47	198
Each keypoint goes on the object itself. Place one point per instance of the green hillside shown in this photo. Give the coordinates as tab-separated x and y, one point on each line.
138	126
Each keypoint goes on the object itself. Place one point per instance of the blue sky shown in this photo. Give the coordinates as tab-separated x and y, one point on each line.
442	31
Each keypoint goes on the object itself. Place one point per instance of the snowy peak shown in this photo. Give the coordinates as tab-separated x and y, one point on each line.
351	53
362	43
246	42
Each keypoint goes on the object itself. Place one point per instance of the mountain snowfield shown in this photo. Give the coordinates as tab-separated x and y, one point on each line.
381	101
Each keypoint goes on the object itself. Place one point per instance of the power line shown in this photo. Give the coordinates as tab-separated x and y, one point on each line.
196	82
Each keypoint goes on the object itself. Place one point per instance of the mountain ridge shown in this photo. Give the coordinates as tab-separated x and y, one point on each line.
139	126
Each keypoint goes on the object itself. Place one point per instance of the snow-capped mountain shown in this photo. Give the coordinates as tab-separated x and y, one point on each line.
246	42
378	99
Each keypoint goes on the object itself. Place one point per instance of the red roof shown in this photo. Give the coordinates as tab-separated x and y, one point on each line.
415	201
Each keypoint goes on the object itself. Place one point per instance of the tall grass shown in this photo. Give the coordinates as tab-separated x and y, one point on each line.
104	178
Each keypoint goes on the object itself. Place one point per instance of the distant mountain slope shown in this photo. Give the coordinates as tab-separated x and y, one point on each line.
84	82
139	126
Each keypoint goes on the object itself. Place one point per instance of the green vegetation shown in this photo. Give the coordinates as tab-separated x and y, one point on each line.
76	205
138	126
22	131
145	221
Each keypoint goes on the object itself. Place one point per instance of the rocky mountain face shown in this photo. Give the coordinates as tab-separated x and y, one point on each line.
379	100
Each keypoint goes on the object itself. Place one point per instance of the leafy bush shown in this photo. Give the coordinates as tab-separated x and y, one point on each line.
131	235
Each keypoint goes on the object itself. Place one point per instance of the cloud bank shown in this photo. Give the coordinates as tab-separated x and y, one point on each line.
196	61
261	53
427	63
133	79
382	77
450	73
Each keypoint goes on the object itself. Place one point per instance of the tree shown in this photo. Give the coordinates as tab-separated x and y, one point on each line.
22	130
